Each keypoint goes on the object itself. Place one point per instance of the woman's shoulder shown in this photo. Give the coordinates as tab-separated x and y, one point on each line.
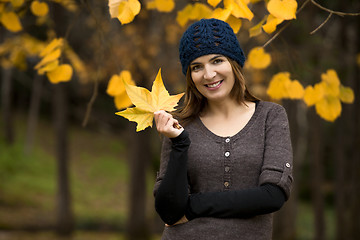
267	106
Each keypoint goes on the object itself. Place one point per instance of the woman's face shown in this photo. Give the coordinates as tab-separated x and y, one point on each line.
213	76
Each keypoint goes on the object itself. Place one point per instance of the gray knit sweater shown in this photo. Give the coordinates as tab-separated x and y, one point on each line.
260	153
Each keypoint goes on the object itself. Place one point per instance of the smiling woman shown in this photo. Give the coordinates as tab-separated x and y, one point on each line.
230	166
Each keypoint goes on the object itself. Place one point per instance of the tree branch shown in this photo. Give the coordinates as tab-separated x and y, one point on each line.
322	24
334	12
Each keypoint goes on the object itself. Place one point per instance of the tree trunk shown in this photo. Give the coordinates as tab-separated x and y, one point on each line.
6	99
33	113
65	220
317	174
137	224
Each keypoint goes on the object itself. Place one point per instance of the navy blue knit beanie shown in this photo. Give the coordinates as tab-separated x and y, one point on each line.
209	36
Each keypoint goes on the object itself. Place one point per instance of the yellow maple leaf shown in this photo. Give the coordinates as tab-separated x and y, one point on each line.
161	5
146	102
11	21
62	73
282	9
258	58
329	108
239	9
271	23
346	94
39	9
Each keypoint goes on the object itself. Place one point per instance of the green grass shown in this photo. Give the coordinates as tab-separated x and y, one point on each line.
98	178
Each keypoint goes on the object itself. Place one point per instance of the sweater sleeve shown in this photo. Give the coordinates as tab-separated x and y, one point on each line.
277	157
171	188
245	203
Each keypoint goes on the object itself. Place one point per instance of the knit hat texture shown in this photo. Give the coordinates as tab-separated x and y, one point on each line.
209	36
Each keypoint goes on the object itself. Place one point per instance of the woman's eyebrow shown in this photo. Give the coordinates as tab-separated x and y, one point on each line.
217	56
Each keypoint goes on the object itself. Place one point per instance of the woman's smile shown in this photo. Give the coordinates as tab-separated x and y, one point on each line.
214	86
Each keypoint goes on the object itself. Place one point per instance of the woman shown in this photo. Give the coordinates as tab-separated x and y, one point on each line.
230	166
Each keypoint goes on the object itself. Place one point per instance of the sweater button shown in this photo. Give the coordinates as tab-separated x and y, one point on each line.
227	169
227	154
227	140
226	184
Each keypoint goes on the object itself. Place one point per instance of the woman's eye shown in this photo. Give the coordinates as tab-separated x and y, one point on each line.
195	68
218	60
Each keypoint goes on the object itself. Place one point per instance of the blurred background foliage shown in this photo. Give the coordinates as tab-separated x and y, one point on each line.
71	169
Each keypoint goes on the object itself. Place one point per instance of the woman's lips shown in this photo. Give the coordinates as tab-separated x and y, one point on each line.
214	85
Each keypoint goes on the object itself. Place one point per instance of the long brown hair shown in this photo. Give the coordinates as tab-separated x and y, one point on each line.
194	102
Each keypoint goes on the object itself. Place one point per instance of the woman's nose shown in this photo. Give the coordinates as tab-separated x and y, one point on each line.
209	73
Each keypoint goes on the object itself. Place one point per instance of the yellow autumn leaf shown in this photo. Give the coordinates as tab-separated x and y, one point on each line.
331	83
161	98
55	43
193	12
346	94
282	9
48	67
11	21
235	23
116	83
162	5
128	10
143	118
146	102
258	58
312	95
257	29
122	101
295	90
329	108
271	23
49	58
221	14
213	3
277	87
39	9
239	9
182	16
62	73
17	3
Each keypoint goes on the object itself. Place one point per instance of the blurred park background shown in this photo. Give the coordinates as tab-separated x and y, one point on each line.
72	169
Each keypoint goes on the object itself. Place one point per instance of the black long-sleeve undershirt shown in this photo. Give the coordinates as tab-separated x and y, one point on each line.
172	200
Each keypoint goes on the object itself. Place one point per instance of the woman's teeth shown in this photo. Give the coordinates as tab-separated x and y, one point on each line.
214	84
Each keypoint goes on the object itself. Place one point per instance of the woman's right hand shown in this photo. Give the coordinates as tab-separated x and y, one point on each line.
166	124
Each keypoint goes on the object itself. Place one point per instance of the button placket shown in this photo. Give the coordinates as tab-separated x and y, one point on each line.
227	163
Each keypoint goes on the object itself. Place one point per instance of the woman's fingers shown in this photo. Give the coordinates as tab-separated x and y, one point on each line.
166	124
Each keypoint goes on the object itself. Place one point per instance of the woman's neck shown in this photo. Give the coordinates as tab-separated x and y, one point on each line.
222	109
